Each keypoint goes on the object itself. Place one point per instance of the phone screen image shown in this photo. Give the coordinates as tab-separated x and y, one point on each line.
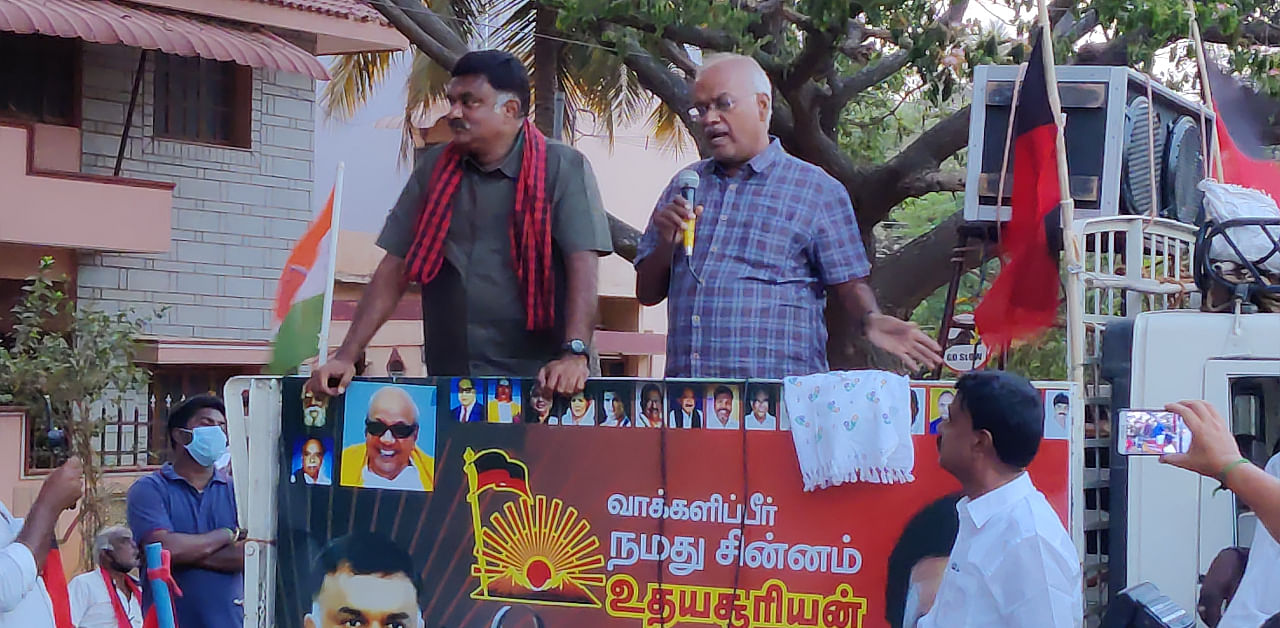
1152	432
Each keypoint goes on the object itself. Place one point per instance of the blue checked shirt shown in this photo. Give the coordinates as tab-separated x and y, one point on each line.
749	304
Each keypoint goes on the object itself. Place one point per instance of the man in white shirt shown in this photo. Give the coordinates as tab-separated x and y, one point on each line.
760	419
24	545
1258	596
312	469
389	457
91	605
722	406
1013	564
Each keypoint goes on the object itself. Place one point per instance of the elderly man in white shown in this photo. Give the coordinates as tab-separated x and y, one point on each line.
24	545
91	605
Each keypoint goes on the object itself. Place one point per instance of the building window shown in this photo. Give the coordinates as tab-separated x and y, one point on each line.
200	100
42	86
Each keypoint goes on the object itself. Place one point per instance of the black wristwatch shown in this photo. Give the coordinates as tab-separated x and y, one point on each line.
575	347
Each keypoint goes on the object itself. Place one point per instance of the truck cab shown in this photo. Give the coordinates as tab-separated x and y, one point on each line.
1167	525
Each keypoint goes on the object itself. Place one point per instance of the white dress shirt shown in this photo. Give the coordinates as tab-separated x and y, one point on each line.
714	423
24	602
90	606
770	422
407	480
1258	596
1013	565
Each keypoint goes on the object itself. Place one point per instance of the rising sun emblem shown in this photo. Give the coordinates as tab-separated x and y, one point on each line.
535	549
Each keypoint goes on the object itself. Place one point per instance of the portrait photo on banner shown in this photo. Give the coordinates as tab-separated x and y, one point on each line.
467	400
724	406
918	410
939	406
650	404
614	401
539	406
504	400
389	437
685	403
577	410
1057	414
312	460
763	403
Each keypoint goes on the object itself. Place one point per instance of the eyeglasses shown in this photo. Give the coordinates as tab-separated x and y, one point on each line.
466	390
722	104
400	430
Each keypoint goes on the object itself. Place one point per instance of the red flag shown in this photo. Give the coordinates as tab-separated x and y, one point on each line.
55	582
1023	300
1241	115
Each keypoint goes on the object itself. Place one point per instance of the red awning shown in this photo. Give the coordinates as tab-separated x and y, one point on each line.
105	22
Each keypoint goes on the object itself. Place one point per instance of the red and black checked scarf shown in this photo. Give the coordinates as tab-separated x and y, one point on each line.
530	227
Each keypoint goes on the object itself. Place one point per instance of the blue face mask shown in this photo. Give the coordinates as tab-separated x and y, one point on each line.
207	444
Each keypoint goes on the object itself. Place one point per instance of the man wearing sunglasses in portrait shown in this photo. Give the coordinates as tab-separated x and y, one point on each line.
775	236
389	457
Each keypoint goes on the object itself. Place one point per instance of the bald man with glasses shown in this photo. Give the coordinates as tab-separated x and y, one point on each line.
389	457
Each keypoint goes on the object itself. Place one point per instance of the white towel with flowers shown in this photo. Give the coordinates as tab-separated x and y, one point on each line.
851	426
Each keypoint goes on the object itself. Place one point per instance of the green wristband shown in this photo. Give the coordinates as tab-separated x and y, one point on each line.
1222	475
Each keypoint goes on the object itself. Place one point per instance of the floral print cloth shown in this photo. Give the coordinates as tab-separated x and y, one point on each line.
851	426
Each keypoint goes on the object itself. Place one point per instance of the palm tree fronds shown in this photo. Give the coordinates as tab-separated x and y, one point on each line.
355	77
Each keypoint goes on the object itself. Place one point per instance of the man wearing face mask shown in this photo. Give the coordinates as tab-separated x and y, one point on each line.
189	507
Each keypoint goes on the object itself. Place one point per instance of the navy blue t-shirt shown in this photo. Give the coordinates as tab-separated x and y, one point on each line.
166	501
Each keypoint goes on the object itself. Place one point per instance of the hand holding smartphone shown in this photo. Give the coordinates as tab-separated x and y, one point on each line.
1151	433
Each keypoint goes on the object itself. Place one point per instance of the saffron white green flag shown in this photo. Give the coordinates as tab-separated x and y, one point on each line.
304	291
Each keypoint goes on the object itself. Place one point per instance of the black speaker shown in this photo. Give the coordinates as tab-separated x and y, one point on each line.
1132	144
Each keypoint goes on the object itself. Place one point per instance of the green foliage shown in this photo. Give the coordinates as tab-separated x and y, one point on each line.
72	357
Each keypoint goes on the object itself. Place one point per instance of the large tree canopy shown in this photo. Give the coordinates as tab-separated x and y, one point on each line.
843	71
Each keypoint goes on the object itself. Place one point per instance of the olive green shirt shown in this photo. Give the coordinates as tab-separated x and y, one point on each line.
473	313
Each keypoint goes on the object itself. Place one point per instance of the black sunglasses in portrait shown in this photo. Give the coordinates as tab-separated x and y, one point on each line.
400	430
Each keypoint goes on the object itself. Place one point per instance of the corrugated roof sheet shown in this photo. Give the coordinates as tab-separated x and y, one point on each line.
105	22
351	9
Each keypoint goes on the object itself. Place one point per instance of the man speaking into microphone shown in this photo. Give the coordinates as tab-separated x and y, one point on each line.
772	236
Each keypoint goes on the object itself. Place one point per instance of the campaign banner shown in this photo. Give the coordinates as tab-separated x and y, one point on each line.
473	502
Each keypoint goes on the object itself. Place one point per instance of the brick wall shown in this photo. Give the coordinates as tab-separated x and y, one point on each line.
235	214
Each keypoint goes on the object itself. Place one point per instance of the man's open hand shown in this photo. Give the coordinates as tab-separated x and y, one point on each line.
903	339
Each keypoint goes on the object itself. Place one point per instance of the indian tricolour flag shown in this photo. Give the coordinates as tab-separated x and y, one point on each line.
304	295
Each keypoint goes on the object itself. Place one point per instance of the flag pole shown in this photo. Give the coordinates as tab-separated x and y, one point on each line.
331	270
1075	318
1074	289
1203	62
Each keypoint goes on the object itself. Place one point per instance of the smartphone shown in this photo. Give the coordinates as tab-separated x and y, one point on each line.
1151	433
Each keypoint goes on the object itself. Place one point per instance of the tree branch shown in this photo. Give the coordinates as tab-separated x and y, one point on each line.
919	184
675	53
679	33
1254	32
862	80
927	260
411	28
884	186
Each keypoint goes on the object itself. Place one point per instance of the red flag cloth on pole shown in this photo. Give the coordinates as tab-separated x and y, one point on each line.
55	582
1023	300
1241	113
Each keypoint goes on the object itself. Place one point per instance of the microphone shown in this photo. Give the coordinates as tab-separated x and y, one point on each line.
688	181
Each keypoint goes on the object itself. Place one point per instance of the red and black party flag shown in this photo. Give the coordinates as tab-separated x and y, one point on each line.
1023	300
495	470
1243	114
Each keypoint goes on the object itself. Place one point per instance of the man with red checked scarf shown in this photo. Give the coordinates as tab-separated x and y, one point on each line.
504	230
